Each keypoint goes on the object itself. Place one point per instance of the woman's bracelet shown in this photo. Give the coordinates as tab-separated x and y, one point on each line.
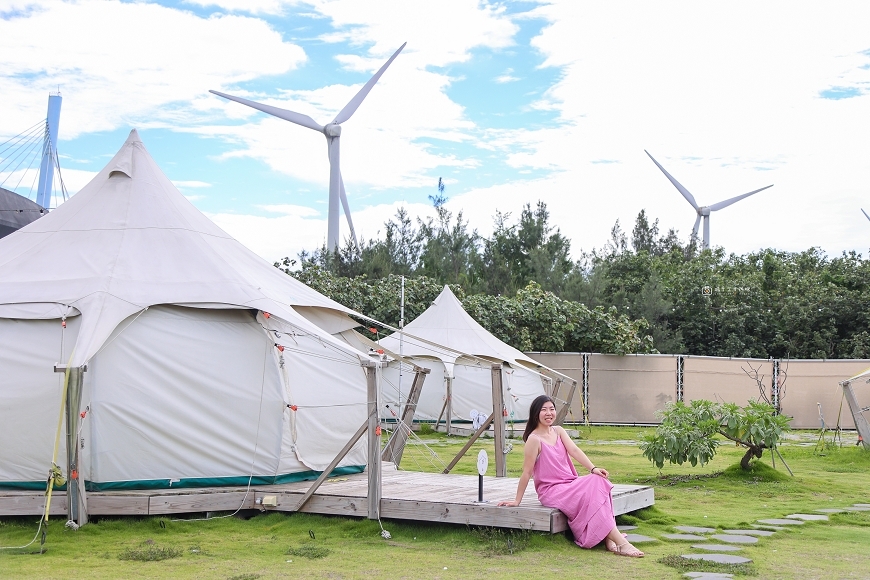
593	469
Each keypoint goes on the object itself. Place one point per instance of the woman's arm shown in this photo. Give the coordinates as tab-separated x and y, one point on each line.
530	455
578	454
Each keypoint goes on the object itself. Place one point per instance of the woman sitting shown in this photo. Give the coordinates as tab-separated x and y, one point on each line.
585	501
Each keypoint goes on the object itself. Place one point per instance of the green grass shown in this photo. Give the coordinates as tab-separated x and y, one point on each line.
276	545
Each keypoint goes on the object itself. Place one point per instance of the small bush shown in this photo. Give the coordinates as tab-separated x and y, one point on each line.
150	553
426	429
309	551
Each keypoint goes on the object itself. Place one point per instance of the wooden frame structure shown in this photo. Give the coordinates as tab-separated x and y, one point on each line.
382	491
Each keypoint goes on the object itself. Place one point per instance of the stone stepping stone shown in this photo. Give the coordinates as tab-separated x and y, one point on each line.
626	528
764	533
708	575
830	510
768	527
717	547
781	522
718	558
639	538
735	538
808	517
861	504
694	530
858	509
684	537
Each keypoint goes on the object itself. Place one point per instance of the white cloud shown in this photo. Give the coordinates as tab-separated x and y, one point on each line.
382	144
120	63
726	102
507	77
190	184
294	210
302	228
250	6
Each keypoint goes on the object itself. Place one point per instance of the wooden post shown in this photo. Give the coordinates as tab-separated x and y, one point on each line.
75	489
563	412
498	422
374	451
449	403
333	464
857	414
468	445
396	445
556	387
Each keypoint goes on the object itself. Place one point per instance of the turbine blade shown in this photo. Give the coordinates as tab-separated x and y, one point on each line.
865	213
346	207
291	116
727	202
351	107
689	197
697	223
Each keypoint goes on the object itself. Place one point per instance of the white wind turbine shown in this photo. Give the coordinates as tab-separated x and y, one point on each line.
332	131
702	211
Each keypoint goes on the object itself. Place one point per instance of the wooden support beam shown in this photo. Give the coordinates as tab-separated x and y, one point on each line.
554	394
441	414
498	422
449	402
332	465
396	445
563	412
468	445
374	451
857	414
75	489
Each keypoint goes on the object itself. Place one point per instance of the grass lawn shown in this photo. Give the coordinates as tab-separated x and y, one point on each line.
305	546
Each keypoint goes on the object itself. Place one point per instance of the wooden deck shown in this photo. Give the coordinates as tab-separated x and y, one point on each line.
406	495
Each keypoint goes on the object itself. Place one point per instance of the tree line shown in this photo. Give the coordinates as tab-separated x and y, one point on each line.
643	291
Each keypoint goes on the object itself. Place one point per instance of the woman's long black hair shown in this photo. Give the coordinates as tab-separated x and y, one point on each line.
535	414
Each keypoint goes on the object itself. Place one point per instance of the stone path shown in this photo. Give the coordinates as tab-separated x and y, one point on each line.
733	540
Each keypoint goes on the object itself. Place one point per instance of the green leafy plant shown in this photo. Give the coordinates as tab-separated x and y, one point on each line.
687	433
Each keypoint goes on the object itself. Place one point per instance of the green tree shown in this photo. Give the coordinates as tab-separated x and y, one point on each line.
687	432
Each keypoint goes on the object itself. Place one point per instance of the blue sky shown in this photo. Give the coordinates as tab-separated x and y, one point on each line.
509	102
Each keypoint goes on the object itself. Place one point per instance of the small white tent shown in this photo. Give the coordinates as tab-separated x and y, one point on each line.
203	365
447	323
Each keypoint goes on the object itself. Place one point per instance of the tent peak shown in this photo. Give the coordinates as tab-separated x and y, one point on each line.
133	137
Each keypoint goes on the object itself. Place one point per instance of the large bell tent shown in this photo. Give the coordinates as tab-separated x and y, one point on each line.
202	365
463	369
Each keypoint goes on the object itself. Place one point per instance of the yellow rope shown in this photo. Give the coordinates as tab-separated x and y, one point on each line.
54	471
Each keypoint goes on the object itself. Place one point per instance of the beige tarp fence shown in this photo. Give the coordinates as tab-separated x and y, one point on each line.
630	389
810	382
724	379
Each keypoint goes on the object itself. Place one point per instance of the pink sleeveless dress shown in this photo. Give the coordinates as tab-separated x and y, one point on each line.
585	501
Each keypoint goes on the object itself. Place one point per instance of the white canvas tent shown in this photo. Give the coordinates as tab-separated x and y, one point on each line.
469	378
202	365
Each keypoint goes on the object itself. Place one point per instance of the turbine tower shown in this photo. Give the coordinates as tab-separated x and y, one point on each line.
332	131
702	211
